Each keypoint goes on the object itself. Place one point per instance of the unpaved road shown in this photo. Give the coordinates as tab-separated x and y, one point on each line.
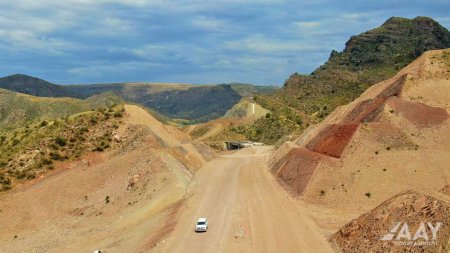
248	211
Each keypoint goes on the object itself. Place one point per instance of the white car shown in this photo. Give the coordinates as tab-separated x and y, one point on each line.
202	225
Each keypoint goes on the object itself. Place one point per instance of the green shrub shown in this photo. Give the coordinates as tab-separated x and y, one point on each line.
21	175
55	155
118	114
46	161
31	175
61	141
15	142
99	149
4	180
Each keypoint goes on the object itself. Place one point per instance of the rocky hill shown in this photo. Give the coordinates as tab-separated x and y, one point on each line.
365	233
368	58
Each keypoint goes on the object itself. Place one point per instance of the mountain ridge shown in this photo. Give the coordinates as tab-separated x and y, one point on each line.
186	103
368	58
32	86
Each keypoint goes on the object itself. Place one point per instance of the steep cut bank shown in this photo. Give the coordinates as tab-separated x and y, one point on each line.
384	142
122	200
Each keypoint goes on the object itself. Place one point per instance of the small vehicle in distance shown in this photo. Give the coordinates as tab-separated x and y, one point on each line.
202	225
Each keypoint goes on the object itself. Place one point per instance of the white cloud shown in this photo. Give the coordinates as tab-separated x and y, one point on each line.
262	44
211	24
109	27
22	40
445	21
307	24
101	68
151	51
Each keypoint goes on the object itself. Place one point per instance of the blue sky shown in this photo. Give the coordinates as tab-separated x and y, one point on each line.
186	41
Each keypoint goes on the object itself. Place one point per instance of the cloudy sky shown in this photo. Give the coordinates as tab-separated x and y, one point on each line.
187	41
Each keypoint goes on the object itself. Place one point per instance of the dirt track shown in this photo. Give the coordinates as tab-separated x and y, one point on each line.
67	211
248	211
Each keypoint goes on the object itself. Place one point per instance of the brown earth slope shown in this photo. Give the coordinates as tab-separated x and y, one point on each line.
119	201
364	234
395	137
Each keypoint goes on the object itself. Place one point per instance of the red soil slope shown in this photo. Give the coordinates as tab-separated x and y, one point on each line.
297	167
418	113
377	105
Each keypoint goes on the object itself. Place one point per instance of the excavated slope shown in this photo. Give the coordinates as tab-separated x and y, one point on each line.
364	234
124	200
394	137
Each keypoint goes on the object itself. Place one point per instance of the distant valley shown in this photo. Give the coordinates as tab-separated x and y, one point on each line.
186	102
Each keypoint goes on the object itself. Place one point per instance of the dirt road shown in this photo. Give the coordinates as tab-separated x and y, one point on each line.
248	211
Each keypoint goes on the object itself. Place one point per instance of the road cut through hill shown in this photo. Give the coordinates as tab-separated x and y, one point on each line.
247	209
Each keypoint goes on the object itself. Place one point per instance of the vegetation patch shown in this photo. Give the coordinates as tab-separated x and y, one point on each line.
29	151
280	121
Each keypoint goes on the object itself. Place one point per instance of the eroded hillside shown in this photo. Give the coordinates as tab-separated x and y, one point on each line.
365	233
122	199
395	137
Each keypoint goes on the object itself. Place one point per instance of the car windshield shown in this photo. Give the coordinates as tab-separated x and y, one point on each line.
201	223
